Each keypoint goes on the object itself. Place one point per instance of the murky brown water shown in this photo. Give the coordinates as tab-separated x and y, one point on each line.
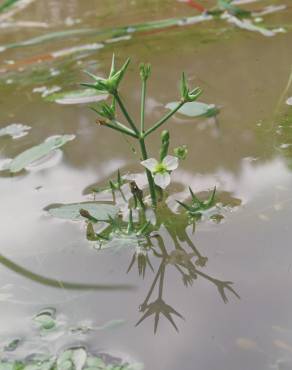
245	74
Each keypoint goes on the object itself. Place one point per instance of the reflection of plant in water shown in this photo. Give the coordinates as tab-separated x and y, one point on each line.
187	263
149	246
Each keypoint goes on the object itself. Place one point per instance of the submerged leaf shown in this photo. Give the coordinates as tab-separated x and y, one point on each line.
15	130
37	152
100	211
77	97
195	109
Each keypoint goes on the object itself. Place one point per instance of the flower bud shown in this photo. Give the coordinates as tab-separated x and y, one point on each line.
181	152
145	71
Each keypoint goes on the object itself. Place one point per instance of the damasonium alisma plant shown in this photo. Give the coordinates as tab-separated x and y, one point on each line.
158	172
128	221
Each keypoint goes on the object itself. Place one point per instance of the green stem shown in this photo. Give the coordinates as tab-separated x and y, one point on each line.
123	130
163	119
143	95
125	112
148	173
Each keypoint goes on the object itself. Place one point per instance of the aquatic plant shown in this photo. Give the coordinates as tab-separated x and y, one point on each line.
45	324
157	172
135	216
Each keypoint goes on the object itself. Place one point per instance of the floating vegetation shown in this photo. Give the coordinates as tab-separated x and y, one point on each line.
13	345
15	130
195	109
37	152
75	358
9	8
225	11
99	211
76	97
71	358
46	319
248	25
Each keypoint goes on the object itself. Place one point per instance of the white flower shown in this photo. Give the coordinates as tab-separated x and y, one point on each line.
161	170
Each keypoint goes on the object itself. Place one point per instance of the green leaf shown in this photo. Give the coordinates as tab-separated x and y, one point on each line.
6	365
82	96
95	363
46	319
234	10
195	109
100	211
79	357
15	130
11	346
37	152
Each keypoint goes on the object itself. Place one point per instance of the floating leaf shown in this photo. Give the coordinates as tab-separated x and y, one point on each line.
79	357
247	24
77	97
37	152
95	363
100	211
76	49
104	34
15	130
46	319
13	345
195	109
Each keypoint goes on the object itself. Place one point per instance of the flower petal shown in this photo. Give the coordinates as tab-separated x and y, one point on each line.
170	162
162	179
150	164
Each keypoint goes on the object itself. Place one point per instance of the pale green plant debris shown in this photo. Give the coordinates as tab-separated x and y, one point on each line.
15	130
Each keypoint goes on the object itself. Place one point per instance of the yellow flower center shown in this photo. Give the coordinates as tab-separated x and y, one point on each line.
160	168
